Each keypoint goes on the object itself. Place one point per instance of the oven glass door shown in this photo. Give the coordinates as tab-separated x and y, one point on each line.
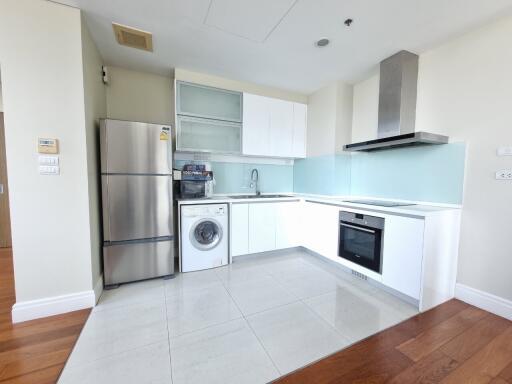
361	245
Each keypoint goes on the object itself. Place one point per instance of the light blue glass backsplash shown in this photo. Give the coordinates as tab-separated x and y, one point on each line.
429	173
322	175
236	177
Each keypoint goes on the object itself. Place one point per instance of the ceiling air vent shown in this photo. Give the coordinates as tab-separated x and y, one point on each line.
134	38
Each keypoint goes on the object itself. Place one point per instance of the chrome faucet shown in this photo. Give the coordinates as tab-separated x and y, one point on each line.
254	181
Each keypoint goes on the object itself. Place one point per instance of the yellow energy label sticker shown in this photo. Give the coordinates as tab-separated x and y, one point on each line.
164	133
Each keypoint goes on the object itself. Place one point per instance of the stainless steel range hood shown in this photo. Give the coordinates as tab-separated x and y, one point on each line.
397	107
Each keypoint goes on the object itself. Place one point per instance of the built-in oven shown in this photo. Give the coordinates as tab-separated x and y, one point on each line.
360	239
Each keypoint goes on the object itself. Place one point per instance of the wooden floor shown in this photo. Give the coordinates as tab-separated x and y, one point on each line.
454	343
34	351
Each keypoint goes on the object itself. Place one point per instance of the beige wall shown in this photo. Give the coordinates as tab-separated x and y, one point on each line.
465	91
1	101
43	91
329	119
95	108
220	82
139	96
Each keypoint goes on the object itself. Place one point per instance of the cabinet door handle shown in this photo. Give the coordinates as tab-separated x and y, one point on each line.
1	189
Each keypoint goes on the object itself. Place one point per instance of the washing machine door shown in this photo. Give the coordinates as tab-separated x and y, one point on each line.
206	234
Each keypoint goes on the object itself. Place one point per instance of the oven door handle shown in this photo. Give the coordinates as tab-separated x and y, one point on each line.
356	227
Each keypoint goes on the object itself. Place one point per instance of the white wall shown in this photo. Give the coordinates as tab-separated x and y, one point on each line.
43	92
465	91
140	96
344	111
329	119
220	82
1	101
366	109
95	108
322	122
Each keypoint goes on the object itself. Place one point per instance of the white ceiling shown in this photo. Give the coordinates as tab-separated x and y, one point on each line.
271	42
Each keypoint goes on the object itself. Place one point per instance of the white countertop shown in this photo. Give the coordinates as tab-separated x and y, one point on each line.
420	210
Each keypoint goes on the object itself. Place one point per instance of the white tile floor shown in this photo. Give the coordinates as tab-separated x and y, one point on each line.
249	322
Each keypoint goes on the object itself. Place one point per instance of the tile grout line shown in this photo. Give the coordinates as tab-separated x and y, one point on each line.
167	328
252	330
131	349
297	299
326	322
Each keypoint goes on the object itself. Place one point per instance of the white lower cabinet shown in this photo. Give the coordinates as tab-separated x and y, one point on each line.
262	227
322	224
403	254
239	229
419	256
288	225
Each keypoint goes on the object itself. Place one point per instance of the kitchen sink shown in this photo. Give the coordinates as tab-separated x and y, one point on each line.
257	196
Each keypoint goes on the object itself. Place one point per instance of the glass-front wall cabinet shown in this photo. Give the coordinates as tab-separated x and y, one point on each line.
208	119
207	135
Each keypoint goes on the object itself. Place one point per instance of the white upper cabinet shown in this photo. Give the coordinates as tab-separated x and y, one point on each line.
281	128
273	127
300	117
256	125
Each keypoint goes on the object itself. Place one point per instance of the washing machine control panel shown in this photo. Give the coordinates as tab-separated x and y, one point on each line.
207	210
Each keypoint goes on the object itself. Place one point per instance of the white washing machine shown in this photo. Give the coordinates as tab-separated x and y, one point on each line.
204	236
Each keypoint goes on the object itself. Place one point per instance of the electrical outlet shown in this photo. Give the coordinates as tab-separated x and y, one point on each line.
504	174
504	151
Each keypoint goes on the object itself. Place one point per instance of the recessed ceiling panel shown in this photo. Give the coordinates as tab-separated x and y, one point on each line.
251	19
184	37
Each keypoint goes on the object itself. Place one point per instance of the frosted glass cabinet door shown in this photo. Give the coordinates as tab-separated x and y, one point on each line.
196	134
212	103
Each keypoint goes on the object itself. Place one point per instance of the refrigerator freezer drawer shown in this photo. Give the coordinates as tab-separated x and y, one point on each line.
130	147
127	262
136	207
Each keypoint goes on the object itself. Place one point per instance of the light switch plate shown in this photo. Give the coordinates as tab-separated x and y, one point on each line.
48	160
49	170
504	174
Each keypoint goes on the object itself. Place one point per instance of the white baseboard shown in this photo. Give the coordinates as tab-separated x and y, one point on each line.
35	309
98	288
494	304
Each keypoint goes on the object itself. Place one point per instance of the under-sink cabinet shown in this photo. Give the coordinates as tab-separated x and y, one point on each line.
261	227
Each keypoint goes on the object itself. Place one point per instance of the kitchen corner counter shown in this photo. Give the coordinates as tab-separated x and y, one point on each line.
415	210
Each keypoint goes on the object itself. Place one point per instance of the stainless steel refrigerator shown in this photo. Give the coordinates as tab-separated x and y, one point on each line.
136	180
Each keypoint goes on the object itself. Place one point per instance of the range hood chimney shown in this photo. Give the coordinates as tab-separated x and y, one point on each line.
397	107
